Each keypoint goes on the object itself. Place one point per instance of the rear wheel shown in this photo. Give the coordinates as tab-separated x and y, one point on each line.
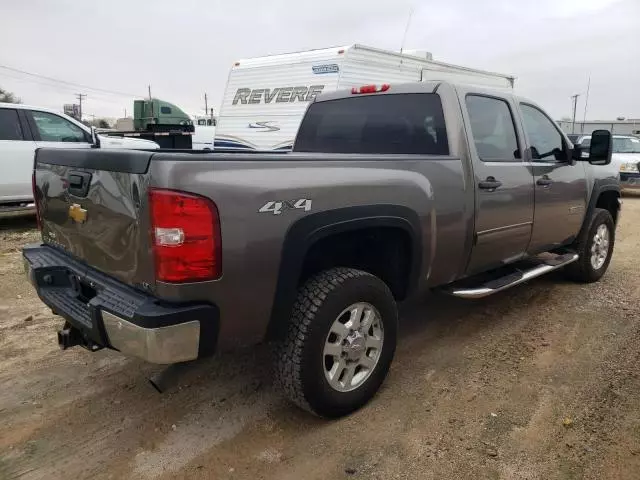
595	248
340	342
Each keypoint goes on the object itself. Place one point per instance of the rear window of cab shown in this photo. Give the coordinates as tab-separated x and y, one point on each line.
382	124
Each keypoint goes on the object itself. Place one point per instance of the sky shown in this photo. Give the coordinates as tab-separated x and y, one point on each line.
186	48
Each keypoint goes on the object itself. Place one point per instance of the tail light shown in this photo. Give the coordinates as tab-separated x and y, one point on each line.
370	89
34	191
185	237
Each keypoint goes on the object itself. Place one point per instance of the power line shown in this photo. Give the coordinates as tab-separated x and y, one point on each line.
63	89
65	82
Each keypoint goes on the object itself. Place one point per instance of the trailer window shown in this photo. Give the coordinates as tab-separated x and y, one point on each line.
390	124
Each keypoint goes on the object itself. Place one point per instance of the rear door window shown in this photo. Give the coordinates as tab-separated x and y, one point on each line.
53	128
492	128
10	128
384	124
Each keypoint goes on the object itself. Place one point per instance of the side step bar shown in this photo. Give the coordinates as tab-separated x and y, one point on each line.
508	281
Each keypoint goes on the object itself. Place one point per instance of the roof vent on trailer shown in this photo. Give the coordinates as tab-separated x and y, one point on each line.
423	54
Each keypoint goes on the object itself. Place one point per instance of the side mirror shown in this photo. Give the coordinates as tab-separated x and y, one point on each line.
95	139
601	147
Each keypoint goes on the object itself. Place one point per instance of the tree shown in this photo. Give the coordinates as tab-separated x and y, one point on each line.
8	97
97	122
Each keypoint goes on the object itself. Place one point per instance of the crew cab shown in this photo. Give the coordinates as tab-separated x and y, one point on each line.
390	191
25	128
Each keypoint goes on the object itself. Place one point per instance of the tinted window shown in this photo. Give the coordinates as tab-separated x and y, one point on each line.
545	139
400	124
10	125
165	110
492	128
53	128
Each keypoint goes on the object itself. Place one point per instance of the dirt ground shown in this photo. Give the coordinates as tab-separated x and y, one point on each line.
539	382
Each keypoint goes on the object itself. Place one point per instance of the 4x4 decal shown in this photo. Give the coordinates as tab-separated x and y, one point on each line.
278	206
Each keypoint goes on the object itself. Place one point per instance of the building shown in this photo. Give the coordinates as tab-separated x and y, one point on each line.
620	127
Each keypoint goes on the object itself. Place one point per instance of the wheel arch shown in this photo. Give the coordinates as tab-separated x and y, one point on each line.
604	196
309	231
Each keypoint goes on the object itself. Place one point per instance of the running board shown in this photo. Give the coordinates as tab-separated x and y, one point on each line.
515	278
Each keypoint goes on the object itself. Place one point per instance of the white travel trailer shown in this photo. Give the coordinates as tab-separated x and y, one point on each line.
266	97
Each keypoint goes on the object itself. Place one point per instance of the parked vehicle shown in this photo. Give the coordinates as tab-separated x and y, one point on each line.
23	129
266	97
625	158
158	121
205	131
391	190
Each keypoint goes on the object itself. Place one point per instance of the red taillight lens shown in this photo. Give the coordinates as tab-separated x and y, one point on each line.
185	235
34	190
370	89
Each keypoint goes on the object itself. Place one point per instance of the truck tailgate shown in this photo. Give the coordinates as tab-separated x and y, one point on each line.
92	204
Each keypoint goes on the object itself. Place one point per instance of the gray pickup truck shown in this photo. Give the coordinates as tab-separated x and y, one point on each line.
390	191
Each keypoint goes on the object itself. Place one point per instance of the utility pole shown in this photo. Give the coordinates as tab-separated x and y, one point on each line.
80	96
152	112
575	105
206	105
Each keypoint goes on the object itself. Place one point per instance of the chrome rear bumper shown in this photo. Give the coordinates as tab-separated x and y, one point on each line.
103	312
171	344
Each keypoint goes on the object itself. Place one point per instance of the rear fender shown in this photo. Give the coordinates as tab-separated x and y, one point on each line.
304	233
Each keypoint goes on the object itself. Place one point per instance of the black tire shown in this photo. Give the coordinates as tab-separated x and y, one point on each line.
582	269
299	363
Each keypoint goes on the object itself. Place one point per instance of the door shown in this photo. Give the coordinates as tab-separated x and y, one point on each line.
503	182
16	158
560	183
53	131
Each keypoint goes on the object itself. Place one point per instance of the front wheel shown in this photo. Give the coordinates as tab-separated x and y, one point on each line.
595	249
340	342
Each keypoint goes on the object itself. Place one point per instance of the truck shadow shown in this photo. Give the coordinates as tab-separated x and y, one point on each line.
446	314
17	222
432	315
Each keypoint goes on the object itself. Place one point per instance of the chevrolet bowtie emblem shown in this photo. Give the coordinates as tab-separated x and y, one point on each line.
77	213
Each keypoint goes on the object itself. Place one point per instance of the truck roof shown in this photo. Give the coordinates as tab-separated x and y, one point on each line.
420	87
22	106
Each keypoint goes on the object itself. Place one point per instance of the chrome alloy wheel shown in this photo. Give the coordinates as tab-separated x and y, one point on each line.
600	247
353	347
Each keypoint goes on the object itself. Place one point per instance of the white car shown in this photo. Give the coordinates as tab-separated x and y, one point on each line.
625	159
23	129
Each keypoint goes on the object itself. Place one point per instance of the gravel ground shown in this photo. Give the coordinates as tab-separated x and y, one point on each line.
539	382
